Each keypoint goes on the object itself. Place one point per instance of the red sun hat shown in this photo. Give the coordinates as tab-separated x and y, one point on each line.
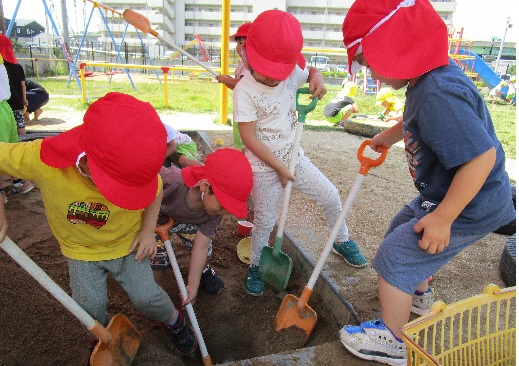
274	44
242	31
230	175
125	143
6	50
400	39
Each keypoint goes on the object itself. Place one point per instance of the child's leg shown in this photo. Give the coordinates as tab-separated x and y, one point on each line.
89	289
150	299
267	193
313	183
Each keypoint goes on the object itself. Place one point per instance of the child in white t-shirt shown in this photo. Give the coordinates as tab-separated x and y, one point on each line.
265	109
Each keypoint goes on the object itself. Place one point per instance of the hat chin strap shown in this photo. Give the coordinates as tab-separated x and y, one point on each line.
403	4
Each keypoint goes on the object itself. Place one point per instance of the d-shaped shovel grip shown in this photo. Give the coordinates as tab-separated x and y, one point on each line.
304	109
163	230
367	163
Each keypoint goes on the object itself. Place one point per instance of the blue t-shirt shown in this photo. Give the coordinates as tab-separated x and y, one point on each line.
446	124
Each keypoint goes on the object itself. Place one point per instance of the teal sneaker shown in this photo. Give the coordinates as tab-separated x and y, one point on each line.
350	252
255	285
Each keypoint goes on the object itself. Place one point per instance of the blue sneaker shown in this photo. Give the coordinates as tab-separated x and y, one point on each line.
255	285
349	251
374	342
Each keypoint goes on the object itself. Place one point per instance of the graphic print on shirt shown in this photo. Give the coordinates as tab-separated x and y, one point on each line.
91	213
412	152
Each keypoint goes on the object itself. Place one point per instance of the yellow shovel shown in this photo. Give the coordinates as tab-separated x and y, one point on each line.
297	312
118	343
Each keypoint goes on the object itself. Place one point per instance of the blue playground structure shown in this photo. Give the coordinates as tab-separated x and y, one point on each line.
485	73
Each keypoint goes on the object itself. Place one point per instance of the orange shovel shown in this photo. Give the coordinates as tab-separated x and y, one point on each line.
297	312
118	343
142	23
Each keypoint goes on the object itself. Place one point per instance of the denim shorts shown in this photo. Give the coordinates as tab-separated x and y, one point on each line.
401	262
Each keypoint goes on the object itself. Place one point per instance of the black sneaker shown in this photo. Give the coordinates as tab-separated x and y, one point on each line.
210	282
182	335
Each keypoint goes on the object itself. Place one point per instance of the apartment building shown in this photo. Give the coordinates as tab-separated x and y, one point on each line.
178	20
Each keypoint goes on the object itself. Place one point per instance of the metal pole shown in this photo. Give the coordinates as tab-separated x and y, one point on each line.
508	25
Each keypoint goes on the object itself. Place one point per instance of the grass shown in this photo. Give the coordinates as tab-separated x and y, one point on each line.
204	96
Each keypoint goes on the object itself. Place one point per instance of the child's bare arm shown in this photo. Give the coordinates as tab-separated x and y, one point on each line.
249	138
3	221
467	182
227	80
172	147
315	83
145	238
24	91
196	266
387	138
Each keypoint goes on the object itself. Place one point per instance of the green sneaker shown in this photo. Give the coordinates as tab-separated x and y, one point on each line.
350	252
255	285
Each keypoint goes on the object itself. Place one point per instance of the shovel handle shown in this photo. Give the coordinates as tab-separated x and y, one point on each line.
142	23
163	231
367	163
59	294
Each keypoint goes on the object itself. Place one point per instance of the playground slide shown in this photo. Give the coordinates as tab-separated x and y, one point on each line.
486	74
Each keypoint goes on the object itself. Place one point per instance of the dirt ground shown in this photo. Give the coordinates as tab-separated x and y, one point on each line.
36	330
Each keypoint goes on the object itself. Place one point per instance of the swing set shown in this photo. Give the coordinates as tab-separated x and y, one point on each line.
103	11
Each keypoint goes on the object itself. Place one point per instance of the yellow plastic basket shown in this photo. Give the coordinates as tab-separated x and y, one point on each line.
478	331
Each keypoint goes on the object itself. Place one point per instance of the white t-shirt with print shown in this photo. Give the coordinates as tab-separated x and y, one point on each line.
274	110
173	134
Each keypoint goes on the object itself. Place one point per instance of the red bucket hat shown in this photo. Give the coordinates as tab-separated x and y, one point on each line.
230	175
400	39
6	49
125	142
242	31
274	44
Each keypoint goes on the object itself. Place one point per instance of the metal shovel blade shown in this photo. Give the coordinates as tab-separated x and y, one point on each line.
123	346
296	312
275	266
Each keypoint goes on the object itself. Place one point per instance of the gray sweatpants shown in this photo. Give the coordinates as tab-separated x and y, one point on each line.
88	281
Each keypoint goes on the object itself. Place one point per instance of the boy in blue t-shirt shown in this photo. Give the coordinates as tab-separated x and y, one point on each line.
454	157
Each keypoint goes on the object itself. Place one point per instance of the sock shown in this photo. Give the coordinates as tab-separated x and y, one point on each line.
176	320
419	293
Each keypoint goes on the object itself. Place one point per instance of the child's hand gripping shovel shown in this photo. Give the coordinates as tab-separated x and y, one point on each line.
163	231
297	312
118	343
142	23
275	266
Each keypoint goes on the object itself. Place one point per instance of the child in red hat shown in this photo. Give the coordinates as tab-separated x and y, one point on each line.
265	109
102	194
17	102
454	157
240	37
196	197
